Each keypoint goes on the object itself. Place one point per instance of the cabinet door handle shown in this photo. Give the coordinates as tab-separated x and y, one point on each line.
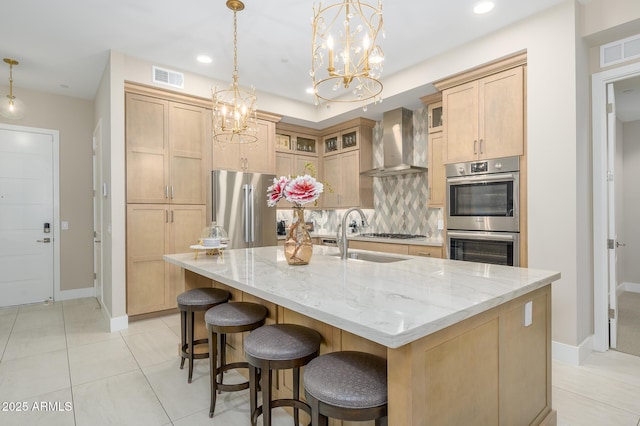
172	192
166	191
481	144
171	216
430	124
166	216
475	147
424	253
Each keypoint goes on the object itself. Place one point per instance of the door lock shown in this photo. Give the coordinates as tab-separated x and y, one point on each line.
45	240
620	244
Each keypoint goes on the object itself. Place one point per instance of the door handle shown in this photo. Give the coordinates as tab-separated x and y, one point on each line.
620	244
45	240
475	147
97	241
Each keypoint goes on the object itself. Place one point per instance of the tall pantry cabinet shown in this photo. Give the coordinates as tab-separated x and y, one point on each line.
167	167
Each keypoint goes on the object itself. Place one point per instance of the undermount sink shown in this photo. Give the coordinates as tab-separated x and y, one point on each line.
371	257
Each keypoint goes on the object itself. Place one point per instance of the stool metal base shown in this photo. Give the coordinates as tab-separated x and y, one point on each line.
320	412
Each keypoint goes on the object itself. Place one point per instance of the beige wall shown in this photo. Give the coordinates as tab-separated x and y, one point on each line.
73	119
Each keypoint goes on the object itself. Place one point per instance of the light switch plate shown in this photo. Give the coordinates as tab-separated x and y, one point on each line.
528	313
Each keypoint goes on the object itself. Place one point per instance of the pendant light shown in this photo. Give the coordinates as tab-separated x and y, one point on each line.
11	107
234	117
346	59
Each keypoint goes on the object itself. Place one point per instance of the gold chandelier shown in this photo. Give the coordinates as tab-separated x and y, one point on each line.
234	117
13	107
346	59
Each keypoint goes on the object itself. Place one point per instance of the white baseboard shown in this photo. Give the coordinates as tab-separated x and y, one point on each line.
574	355
117	323
631	287
78	293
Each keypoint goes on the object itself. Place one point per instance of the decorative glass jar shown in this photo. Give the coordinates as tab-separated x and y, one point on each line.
298	246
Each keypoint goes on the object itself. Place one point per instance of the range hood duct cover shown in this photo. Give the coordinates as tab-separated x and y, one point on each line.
397	145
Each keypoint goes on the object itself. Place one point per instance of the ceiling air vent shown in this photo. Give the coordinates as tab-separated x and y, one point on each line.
168	77
620	51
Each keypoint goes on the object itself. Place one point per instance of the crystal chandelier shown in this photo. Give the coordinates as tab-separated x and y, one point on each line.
346	59
13	107
234	117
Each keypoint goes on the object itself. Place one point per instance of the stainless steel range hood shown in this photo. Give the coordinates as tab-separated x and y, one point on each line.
397	145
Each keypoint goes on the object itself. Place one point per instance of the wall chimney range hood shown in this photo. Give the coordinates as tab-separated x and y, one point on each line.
397	145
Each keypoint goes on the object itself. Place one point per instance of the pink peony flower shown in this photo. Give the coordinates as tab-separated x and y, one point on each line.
276	191
302	190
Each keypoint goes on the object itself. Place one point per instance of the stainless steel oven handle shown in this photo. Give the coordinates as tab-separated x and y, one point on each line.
480	236
482	178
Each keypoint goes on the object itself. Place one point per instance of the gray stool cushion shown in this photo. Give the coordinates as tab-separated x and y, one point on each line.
235	314
281	342
347	379
202	297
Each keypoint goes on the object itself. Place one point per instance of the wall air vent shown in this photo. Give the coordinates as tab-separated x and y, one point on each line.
168	77
620	51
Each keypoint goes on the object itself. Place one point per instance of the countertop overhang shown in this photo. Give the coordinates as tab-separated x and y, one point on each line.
389	303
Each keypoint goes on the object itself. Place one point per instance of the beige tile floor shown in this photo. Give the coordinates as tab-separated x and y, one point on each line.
63	355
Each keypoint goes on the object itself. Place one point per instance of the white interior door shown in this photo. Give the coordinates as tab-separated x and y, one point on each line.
99	192
611	213
26	206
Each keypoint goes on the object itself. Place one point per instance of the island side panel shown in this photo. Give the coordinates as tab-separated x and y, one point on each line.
525	358
461	374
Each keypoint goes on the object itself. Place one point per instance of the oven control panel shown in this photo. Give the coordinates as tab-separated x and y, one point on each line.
496	165
480	167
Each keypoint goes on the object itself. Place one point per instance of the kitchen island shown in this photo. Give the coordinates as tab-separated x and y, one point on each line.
454	335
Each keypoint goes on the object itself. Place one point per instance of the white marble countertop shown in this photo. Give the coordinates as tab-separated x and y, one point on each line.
389	303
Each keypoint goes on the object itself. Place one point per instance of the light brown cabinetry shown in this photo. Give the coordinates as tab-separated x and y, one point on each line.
258	157
484	118
434	115
152	231
166	151
410	249
347	150
437	173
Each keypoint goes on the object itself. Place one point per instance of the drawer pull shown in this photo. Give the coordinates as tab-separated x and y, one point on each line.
424	253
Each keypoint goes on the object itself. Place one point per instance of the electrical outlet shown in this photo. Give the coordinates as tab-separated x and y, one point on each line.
64	225
528	313
440	224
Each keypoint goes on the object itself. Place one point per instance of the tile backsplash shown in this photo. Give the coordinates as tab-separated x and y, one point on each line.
400	202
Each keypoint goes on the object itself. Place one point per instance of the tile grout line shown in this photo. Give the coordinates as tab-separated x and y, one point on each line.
4	350
66	344
146	378
598	401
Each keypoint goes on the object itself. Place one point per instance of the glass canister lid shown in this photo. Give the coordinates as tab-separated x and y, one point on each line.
215	231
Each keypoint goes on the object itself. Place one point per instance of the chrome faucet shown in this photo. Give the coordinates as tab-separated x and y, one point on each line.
343	243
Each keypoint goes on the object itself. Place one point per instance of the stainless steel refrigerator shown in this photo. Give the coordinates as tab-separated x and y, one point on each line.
239	205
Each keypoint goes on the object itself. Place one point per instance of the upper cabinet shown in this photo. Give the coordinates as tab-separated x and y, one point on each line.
484	118
258	157
296	140
434	114
348	150
344	140
166	151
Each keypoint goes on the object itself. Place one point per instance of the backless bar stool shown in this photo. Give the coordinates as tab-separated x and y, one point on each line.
278	347
346	386
233	317
190	301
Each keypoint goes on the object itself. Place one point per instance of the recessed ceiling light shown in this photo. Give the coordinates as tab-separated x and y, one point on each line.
204	59
483	7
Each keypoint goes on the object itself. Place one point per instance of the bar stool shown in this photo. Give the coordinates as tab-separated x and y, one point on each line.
278	347
234	317
346	385
190	301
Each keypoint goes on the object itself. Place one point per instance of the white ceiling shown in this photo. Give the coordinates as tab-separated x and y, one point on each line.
627	99
63	45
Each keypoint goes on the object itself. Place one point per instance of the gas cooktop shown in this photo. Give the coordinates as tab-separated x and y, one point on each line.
391	235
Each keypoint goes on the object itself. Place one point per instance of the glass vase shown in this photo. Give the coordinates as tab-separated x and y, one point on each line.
298	246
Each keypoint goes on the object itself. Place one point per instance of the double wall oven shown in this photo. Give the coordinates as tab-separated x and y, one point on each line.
483	211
